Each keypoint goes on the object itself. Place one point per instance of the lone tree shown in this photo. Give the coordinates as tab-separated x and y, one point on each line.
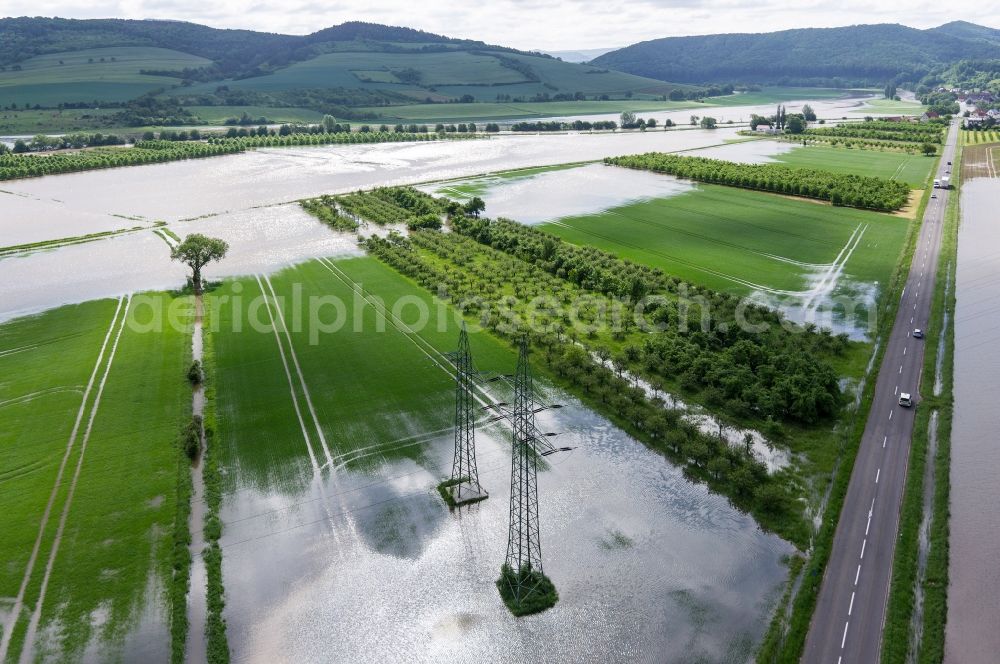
197	251
475	206
929	149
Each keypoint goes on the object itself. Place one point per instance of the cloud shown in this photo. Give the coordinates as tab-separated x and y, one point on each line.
529	24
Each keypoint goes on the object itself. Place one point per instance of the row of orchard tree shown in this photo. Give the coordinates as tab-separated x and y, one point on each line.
882	130
13	166
845	189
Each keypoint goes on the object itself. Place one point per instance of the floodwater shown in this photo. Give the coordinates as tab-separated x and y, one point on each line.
551	196
264	239
537	198
188	189
974	578
239	198
827	108
372	567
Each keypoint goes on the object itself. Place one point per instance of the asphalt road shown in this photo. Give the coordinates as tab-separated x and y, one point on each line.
850	611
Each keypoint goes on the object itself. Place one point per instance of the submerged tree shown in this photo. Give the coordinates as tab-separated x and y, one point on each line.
197	251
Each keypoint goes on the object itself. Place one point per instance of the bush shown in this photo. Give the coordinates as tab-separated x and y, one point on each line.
537	591
191	437
195	374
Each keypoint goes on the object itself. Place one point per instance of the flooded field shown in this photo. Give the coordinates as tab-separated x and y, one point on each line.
370	566
974	580
264	239
534	198
829	275
827	108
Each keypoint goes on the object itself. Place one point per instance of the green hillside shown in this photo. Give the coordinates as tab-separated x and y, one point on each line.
854	55
443	76
99	74
152	72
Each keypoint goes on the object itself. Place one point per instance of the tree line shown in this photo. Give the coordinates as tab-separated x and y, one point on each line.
844	189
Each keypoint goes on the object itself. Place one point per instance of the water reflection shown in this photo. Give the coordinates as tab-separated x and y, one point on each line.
974	579
378	556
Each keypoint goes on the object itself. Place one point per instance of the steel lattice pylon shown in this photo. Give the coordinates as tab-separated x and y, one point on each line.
524	547
465	485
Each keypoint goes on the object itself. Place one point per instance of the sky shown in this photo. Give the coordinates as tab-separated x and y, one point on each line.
529	24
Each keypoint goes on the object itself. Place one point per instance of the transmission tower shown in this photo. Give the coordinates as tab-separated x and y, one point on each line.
464	487
524	547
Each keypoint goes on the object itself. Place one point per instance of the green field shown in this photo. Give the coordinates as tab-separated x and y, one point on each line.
891	107
909	168
216	115
446	75
82	75
771	95
119	486
728	238
361	400
508	111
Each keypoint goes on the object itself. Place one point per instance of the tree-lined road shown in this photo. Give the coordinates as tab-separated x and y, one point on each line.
850	611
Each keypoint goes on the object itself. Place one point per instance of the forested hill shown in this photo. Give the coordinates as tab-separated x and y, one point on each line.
860	54
235	52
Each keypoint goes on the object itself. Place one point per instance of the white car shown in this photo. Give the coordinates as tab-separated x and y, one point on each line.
918	333
905	400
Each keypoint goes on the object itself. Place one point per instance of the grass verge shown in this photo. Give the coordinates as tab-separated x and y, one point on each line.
215	624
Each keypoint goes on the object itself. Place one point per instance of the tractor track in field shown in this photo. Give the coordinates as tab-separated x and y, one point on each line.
33	558
288	376
33	623
31	396
298	370
317	468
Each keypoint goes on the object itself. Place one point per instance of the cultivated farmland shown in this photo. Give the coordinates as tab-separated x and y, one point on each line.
92	482
101	74
913	169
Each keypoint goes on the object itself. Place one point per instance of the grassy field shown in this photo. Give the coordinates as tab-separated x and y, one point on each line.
111	565
447	75
891	107
216	115
909	168
100	74
507	111
360	399
772	95
722	237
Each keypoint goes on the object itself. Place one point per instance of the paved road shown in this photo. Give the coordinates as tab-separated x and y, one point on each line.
850	611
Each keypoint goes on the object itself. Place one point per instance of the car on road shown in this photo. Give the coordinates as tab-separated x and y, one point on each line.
905	400
918	333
